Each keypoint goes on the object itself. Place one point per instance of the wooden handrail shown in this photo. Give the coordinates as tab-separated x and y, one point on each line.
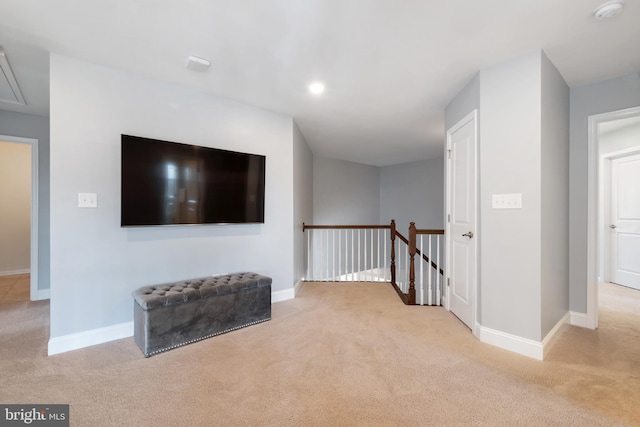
343	227
418	252
404	239
429	231
433	264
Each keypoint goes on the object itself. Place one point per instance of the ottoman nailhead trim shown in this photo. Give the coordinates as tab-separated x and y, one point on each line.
205	337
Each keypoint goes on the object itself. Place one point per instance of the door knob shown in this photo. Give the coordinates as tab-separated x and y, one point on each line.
469	234
613	226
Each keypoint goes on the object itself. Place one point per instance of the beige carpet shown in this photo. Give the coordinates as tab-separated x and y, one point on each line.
346	354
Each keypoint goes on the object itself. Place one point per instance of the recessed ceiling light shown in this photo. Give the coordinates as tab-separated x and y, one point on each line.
316	88
608	10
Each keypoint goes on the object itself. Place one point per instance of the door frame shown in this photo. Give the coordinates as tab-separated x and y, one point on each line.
595	209
35	293
472	116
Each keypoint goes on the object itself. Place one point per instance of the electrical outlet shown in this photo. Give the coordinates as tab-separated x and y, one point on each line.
87	200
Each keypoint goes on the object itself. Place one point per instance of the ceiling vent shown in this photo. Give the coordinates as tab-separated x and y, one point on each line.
9	90
195	63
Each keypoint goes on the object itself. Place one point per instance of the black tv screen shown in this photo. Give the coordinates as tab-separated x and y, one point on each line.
167	183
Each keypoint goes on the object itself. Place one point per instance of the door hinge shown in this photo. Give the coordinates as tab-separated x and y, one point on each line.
448	282
448	217
449	153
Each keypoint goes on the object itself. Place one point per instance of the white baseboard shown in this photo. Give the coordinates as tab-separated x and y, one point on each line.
41	294
579	319
297	287
284	295
88	338
123	330
514	343
554	334
14	272
524	346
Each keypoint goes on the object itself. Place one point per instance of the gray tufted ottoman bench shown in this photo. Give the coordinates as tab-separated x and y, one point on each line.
174	314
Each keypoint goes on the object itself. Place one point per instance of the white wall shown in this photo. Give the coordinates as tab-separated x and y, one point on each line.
95	264
555	196
35	127
302	198
345	193
15	208
413	192
602	97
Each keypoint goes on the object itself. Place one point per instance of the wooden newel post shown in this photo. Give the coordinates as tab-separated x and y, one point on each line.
412	271
393	251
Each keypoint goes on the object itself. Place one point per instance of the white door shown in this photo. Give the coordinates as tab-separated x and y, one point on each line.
461	219
625	221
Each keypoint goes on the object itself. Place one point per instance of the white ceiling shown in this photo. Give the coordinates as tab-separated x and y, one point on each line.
390	66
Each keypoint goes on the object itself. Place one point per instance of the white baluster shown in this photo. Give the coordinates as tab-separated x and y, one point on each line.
421	261
308	254
438	278
430	288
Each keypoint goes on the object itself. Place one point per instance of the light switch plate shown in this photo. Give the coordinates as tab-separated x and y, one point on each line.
87	200
506	201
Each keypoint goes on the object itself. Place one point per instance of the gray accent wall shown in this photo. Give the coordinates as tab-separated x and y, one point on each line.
555	196
345	193
467	100
602	97
413	192
523	142
96	264
621	139
302	199
510	162
35	127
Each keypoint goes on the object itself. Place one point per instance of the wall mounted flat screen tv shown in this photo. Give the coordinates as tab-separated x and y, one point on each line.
167	183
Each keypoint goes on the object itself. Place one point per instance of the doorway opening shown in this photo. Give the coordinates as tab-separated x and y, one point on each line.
612	145
34	292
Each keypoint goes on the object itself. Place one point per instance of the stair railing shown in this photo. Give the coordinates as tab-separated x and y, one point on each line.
373	253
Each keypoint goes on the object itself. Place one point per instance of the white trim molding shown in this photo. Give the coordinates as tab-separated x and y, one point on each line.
88	338
41	294
514	343
554	334
83	339
524	346
578	319
278	296
297	287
